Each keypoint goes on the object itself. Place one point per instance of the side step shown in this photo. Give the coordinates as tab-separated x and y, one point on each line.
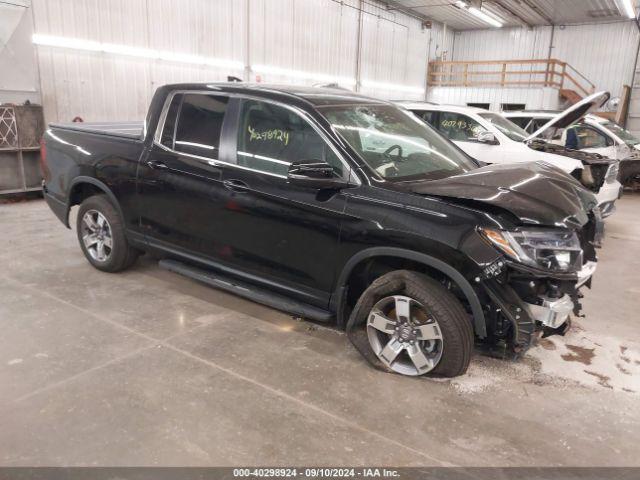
246	290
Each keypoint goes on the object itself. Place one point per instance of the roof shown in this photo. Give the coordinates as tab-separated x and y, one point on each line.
531	113
317	96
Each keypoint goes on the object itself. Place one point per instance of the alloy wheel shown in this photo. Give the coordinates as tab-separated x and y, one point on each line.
96	235
404	336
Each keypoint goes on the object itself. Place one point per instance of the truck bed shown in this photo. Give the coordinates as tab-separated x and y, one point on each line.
130	129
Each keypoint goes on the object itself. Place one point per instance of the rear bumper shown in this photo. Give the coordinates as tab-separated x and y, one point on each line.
607	195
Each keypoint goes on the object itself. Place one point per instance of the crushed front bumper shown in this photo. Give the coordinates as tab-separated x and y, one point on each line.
546	313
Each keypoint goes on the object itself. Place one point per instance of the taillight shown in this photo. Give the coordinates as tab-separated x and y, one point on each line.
44	167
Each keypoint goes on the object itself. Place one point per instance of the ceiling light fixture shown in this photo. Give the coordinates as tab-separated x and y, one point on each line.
627	6
490	19
126	50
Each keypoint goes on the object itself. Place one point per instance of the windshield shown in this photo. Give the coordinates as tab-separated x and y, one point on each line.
507	127
625	135
396	144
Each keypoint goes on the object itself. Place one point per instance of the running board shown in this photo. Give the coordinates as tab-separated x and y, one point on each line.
246	290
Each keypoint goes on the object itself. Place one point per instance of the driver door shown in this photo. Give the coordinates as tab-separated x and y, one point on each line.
278	231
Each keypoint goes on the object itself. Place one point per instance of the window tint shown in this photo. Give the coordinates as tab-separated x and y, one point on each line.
459	127
169	129
199	125
270	137
427	116
522	122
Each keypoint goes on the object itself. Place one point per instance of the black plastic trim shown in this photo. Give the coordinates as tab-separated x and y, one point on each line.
97	183
338	298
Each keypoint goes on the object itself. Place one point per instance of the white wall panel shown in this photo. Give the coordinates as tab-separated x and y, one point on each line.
312	36
533	98
603	53
18	67
502	44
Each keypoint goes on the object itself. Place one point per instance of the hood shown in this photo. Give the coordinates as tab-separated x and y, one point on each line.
536	193
573	113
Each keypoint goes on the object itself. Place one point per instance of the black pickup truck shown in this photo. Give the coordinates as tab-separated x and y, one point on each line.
335	207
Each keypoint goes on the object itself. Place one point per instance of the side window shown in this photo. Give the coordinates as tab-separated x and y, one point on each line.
522	122
169	129
427	116
459	127
589	138
199	125
271	137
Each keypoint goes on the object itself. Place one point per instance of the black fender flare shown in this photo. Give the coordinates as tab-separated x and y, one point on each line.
338	298
96	183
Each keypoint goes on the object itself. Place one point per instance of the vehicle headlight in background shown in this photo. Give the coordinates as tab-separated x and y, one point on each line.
555	250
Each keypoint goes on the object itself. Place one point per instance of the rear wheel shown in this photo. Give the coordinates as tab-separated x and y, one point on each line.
414	326
101	235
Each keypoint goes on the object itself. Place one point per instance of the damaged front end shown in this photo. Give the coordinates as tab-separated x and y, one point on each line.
526	300
597	169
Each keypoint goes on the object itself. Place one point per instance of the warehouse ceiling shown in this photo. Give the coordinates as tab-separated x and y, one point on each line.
516	13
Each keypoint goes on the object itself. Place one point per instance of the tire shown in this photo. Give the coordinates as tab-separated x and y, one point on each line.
437	325
117	255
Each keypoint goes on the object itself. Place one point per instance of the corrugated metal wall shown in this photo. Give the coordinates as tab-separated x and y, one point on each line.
317	36
604	53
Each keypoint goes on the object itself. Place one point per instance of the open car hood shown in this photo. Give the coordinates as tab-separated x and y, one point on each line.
573	113
535	192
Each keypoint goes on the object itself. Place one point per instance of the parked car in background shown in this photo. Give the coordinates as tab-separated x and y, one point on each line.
335	207
491	138
591	134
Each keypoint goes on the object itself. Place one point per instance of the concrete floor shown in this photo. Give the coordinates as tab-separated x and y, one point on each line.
149	368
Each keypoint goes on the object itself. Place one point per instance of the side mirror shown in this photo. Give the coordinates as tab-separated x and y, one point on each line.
314	174
488	138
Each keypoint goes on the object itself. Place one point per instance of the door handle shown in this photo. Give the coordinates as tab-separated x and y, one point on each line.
236	186
157	165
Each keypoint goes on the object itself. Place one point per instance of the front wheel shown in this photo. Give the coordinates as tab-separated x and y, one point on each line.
101	235
413	326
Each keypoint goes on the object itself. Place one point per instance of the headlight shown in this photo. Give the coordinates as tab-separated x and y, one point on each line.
555	250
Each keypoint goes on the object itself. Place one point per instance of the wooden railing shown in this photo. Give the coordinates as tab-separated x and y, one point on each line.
509	73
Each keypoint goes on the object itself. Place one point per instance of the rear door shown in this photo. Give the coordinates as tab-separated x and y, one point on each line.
181	198
281	232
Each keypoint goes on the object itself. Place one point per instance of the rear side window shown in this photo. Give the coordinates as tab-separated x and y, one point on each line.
271	137
427	116
199	125
194	123
459	127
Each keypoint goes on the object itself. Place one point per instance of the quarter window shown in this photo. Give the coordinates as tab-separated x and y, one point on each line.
193	124
459	127
271	137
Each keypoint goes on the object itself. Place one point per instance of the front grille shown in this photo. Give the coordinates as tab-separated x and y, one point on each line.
612	173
